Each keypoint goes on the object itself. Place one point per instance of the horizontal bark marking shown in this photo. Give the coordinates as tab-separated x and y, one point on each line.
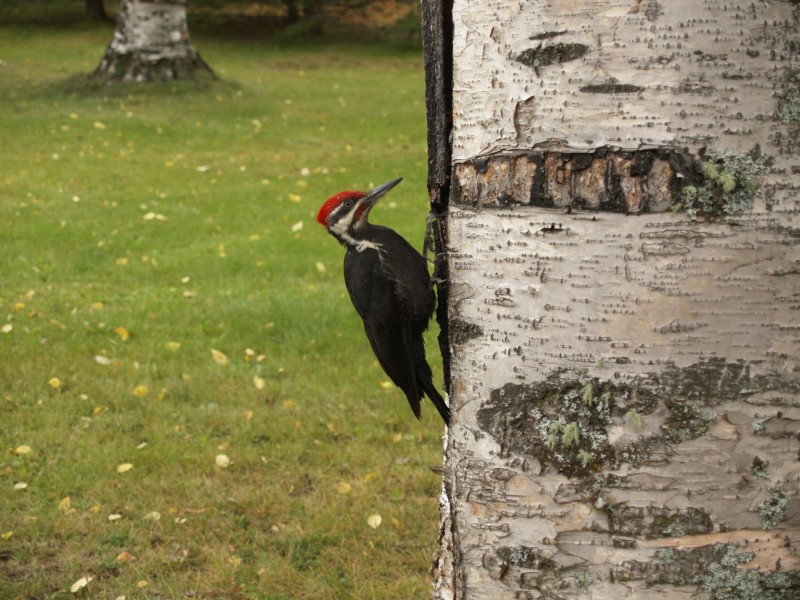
611	88
628	182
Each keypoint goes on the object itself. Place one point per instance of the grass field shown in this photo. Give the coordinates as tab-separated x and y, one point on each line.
167	300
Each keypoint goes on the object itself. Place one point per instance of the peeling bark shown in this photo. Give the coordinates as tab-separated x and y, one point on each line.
151	43
624	285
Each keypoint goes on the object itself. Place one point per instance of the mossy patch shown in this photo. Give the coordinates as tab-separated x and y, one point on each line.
725	183
564	420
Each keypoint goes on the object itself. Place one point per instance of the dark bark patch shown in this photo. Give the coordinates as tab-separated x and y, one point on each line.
611	88
718	568
463	331
653	522
542	56
609	179
563	421
547	35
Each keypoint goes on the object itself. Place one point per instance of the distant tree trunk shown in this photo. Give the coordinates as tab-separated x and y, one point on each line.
96	10
623	309
151	43
292	11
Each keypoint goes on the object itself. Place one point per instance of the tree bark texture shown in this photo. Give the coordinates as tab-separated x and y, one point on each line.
151	43
623	246
96	10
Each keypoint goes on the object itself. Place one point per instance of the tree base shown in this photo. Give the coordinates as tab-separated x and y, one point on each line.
144	67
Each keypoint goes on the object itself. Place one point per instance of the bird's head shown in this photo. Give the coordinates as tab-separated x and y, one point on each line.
347	212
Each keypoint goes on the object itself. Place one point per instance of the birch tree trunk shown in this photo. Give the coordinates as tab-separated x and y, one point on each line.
151	43
623	246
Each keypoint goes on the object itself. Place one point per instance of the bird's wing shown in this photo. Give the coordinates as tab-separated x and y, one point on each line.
385	322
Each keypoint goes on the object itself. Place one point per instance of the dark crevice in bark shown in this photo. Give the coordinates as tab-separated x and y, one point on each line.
437	38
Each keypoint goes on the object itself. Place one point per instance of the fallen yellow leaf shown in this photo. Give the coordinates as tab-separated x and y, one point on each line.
54	382
374	521
219	357
23	449
122	333
6	535
140	391
64	504
173	346
344	488
80	584
124	467
259	383
125	556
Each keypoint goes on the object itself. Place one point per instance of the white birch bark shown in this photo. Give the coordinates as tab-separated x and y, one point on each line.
625	380
151	42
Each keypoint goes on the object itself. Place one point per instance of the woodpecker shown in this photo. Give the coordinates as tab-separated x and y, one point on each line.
391	290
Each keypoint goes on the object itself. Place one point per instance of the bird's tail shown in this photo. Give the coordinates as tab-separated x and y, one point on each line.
432	393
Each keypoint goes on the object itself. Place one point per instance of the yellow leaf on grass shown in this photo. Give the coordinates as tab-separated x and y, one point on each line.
219	357
6	535
64	504
21	486
54	382
344	488
320	267
387	385
222	461
173	346
370	476
125	556
122	333
259	383
374	520
80	584
142	583
140	391
124	467
23	449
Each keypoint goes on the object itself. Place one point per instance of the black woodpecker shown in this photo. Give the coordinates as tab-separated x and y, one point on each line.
391	290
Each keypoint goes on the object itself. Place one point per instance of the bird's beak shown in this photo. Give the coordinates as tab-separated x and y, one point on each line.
375	194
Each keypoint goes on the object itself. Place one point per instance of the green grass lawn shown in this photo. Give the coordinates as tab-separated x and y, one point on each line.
140	229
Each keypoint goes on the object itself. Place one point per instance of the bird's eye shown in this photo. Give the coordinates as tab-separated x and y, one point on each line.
348	203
